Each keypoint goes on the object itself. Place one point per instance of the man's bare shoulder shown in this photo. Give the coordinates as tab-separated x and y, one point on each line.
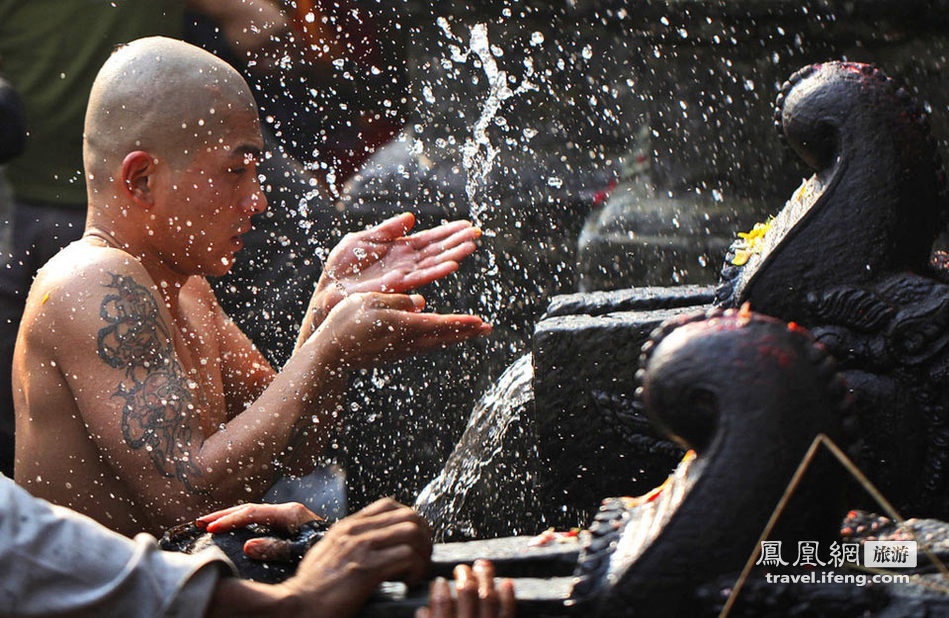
81	260
68	291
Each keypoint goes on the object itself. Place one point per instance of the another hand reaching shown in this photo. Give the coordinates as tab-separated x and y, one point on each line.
287	517
476	595
384	541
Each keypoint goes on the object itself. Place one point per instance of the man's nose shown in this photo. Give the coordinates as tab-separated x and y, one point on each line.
256	202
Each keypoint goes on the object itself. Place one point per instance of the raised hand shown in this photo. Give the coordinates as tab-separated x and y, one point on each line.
383	259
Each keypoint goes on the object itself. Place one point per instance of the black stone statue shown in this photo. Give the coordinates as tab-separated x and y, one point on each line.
748	394
850	258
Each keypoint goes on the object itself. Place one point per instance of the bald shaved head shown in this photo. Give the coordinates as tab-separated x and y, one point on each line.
161	96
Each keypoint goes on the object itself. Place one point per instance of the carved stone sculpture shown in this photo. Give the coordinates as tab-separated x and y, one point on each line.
849	257
748	394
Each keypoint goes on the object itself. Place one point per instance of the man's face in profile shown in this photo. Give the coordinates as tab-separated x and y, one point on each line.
204	204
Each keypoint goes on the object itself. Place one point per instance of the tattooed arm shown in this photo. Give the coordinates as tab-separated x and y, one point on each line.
150	388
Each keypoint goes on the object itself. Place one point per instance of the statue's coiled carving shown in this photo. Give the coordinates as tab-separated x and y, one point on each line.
748	394
850	257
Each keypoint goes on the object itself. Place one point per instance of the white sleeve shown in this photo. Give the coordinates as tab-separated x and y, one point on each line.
54	560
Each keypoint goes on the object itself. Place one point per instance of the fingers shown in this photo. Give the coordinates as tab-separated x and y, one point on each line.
407	254
484	572
423	612
454	248
402	280
203	521
397	302
386	513
382	505
287	516
393	527
440	603
383	259
439	233
475	592
269	549
455	330
451	254
424	276
431	329
508	602
401	562
362	550
390	229
454	253
466	587
369	328
402	312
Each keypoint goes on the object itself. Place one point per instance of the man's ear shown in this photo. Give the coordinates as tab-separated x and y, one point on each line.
138	169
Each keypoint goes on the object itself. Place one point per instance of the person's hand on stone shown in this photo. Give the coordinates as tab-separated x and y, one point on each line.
287	517
385	541
476	595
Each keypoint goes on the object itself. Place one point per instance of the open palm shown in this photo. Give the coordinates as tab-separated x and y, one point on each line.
383	259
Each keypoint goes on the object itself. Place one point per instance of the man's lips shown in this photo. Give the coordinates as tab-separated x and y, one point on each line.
237	242
236	239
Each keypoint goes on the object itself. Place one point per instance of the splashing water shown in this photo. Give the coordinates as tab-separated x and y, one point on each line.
478	153
486	485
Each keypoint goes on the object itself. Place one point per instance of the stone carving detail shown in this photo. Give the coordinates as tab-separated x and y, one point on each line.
721	384
849	257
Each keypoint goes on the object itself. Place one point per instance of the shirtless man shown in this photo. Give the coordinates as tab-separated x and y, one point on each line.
138	401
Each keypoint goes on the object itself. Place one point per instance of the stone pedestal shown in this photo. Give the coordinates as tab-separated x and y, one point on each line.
594	439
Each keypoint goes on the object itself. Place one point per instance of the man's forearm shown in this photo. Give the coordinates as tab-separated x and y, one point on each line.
237	461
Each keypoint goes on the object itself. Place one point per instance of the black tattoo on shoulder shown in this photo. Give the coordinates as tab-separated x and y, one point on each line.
155	388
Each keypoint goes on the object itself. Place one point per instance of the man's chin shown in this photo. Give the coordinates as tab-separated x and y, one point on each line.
218	268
